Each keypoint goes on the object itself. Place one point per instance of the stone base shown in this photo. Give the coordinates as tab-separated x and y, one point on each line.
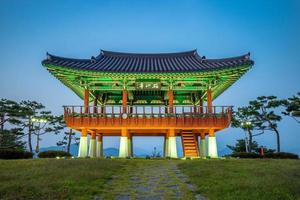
202	148
212	147
123	150
99	150
93	148
83	147
130	147
166	147
172	148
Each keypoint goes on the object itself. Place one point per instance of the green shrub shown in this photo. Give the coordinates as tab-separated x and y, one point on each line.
281	155
53	154
245	155
14	154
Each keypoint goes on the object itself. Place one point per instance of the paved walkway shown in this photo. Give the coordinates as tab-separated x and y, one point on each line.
150	180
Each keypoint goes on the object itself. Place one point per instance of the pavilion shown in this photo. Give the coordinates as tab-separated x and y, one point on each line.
135	94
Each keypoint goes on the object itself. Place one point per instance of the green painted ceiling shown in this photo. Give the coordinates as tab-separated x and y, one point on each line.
183	83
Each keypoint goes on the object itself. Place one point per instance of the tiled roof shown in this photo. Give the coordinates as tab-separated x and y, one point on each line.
108	61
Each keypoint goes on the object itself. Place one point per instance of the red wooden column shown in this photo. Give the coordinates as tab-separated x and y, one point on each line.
166	107
124	100
96	104
171	100
86	100
201	105
209	101
93	135
131	109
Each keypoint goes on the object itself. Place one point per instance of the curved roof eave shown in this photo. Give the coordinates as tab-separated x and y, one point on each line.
134	74
119	62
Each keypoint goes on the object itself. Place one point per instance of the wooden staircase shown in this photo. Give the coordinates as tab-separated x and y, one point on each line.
189	144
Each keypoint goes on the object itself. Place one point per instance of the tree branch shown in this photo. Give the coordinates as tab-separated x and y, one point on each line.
257	134
295	119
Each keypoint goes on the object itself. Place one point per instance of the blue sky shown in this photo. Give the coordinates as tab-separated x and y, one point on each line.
268	29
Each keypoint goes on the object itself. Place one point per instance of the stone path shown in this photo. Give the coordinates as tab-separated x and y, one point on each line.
150	180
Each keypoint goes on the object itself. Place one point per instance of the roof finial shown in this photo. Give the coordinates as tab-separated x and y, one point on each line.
93	59
48	56
195	52
247	56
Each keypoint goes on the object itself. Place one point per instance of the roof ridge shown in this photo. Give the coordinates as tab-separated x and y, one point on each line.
186	61
128	54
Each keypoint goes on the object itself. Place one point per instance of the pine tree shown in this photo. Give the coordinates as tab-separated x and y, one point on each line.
243	118
69	137
264	110
10	131
292	107
241	147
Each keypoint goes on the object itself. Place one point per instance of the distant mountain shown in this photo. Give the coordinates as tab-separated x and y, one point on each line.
224	151
138	152
54	148
111	151
73	149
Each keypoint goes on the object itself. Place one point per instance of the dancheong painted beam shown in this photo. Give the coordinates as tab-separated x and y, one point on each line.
162	94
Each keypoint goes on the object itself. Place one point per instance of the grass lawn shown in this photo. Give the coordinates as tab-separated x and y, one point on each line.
55	179
85	179
245	178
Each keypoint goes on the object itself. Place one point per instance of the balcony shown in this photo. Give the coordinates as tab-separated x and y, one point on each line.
148	117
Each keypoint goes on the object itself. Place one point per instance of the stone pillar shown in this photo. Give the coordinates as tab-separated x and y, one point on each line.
172	148
166	146
202	145
93	146
100	146
212	144
83	144
123	150
130	147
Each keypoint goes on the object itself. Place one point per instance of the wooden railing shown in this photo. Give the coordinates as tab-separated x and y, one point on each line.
147	116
